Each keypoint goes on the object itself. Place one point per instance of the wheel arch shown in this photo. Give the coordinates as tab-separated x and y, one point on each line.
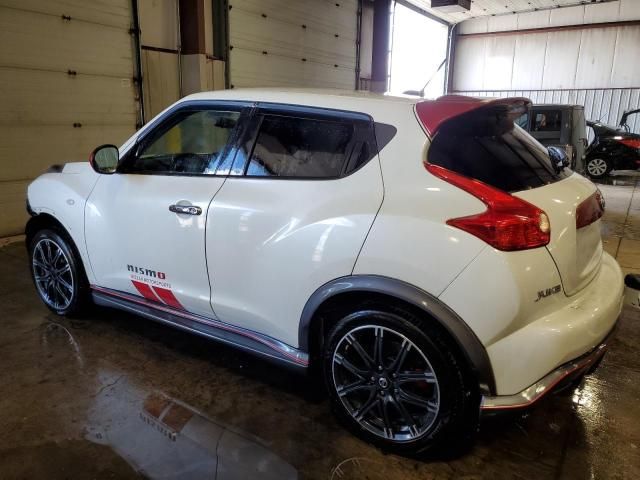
349	290
46	220
40	221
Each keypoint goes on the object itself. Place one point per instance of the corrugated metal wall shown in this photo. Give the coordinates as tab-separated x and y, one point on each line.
605	105
597	67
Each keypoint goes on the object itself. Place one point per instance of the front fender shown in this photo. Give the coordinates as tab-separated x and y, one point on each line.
63	196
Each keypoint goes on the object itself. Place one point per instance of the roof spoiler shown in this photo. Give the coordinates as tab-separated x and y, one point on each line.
433	113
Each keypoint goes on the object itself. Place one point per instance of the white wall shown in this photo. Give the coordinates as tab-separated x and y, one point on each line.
558	64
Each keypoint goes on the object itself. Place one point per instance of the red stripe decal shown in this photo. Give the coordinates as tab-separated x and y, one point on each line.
145	291
168	297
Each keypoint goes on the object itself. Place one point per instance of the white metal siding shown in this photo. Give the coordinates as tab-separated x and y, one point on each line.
307	43
594	67
571	59
57	72
615	11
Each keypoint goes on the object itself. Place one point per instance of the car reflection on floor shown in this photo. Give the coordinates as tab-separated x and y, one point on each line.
162	437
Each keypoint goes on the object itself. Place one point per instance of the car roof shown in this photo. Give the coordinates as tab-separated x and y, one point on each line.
436	111
305	96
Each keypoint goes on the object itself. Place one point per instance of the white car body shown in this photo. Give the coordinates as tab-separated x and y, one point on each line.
264	253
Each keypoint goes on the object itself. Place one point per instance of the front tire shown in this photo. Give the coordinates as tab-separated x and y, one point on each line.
57	273
394	381
598	167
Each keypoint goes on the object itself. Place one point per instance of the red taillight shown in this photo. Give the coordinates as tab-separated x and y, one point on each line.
631	142
508	224
590	210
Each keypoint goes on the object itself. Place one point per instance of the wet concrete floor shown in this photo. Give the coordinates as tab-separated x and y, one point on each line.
116	396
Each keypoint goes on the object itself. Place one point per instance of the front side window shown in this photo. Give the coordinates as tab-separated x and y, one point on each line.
300	147
190	143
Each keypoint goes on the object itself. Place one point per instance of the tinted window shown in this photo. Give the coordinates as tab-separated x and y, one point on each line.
490	148
300	148
190	143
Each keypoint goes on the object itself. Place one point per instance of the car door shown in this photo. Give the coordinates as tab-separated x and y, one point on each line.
302	193
145	225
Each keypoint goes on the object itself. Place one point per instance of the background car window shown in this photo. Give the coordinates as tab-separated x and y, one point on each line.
300	148
193	145
547	121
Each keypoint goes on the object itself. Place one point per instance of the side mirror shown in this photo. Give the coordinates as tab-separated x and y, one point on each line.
104	159
559	158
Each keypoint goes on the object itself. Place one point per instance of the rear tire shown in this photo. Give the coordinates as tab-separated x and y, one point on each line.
394	381
58	273
598	167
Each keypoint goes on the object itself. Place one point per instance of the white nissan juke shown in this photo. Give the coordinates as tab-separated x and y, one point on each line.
428	257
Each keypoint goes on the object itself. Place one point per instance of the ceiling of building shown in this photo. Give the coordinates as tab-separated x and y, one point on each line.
481	8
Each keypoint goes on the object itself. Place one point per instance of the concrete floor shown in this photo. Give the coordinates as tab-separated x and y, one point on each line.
83	399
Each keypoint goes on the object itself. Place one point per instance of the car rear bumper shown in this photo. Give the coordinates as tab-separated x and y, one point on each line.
541	352
556	380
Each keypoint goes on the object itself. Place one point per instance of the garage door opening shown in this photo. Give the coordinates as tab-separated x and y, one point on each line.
418	53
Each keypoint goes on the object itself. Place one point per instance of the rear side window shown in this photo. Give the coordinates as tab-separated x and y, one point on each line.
301	147
488	146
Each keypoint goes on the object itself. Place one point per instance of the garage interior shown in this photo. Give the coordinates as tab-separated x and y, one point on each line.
82	397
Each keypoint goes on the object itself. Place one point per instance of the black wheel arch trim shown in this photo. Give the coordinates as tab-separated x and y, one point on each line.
39	220
470	345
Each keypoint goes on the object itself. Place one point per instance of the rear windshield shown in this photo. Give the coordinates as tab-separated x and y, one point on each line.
488	146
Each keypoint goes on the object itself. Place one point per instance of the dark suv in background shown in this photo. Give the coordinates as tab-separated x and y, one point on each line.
561	126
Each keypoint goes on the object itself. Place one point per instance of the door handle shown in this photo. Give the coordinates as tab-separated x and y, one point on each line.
185	209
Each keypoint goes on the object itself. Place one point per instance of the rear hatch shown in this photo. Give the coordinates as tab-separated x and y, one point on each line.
571	203
481	142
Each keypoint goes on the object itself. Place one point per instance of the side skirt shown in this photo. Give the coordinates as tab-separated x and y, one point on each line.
247	340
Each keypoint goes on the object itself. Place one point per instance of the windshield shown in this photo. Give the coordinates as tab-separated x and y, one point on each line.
488	146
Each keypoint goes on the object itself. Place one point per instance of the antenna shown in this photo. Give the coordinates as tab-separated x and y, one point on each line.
420	93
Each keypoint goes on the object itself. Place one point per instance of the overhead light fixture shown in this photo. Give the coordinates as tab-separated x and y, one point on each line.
451	6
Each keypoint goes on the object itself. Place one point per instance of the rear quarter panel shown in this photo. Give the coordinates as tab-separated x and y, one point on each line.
410	239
